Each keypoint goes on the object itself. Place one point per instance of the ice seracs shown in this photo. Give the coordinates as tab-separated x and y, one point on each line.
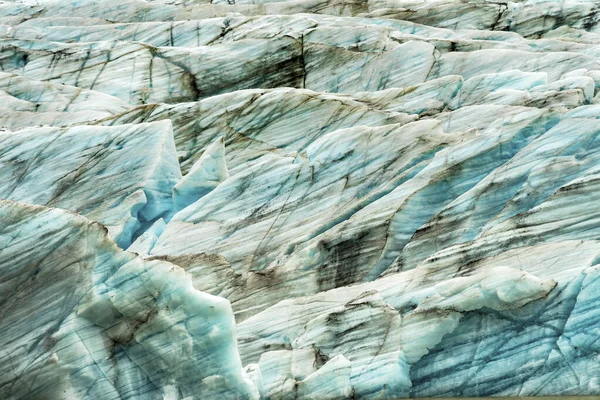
97	171
84	319
306	199
205	175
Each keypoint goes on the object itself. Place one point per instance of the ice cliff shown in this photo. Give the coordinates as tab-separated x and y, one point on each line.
299	199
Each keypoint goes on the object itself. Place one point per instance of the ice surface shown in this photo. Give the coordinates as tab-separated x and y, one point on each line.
93	170
299	199
205	175
84	319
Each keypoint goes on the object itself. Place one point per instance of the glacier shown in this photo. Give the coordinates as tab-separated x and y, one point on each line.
299	199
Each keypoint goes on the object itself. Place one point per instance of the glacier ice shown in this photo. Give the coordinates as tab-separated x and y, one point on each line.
204	176
299	199
97	171
83	319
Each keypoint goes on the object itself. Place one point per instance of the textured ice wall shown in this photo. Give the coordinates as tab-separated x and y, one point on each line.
328	199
